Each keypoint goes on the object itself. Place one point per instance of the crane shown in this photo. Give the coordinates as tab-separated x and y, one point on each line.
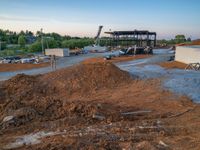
98	35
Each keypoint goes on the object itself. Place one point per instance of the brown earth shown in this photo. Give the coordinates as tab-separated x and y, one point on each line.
15	67
96	106
195	42
114	59
173	65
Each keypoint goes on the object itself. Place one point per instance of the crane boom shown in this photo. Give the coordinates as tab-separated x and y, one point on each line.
98	35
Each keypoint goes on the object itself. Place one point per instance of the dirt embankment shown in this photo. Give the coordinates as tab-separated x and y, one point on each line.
195	42
114	59
16	67
94	106
173	65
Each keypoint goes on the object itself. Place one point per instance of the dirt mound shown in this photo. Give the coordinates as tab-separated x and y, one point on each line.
80	79
86	78
112	112
20	83
45	96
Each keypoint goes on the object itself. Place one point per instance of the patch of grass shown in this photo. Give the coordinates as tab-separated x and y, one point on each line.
11	52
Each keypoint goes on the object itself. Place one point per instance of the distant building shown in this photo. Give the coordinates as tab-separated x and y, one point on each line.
60	52
188	54
140	38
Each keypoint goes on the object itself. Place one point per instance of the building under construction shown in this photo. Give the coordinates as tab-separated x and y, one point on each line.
140	38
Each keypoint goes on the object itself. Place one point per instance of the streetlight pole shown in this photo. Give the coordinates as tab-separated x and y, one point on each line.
42	41
0	43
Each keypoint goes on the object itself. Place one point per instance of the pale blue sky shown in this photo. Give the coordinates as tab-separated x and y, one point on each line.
82	17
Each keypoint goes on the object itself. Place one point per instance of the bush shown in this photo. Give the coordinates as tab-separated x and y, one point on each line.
3	46
77	43
22	41
35	47
11	52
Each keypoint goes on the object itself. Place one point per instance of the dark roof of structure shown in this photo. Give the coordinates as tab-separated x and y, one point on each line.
131	32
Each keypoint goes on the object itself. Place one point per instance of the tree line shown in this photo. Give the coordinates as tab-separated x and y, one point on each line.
177	40
28	41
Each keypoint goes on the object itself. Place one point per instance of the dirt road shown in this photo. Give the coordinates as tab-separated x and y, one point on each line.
16	67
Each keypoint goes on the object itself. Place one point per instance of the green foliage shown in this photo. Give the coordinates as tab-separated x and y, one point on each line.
7	53
22	41
180	39
77	43
3	46
11	52
48	43
164	42
35	47
51	43
51	40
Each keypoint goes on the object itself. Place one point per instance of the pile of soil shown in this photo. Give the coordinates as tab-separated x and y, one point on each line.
84	79
173	65
81	79
94	106
42	95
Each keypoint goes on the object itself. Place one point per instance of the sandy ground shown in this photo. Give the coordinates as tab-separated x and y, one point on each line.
16	67
95	106
173	65
115	59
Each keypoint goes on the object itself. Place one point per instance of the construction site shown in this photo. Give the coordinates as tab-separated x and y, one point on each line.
130	97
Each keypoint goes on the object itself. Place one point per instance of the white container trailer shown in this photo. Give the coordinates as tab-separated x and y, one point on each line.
99	49
60	52
188	54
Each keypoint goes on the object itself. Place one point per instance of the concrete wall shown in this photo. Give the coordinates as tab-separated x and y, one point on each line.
61	52
188	54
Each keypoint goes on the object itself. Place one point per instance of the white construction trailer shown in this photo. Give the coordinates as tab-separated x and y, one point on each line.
60	52
188	54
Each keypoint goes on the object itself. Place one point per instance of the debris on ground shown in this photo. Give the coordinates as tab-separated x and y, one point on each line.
94	106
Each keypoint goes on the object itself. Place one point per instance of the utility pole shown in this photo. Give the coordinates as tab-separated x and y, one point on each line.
42	41
0	43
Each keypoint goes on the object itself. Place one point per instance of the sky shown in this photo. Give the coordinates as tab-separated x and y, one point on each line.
82	17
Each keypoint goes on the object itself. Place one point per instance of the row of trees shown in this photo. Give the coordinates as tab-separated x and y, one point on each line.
52	43
29	41
177	40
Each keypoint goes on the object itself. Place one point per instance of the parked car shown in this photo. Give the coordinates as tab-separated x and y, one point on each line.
27	60
5	61
15	59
